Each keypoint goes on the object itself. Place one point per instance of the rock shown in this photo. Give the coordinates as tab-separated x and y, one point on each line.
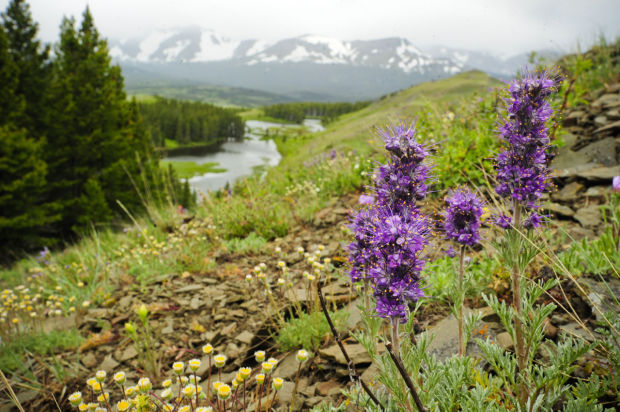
196	303
550	331
577	233
285	394
575	330
287	367
568	192
89	360
589	216
602	296
129	353
370	375
169	328
600	120
613	114
573	118
602	152
354	320
245	337
59	323
610	126
572	164
229	329
189	288
445	336
557	209
607	100
329	388
356	352
597	192
504	340
108	364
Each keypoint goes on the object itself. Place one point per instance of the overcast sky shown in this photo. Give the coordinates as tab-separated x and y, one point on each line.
502	26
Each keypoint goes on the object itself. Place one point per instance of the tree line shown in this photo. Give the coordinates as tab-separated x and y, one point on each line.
297	112
189	122
71	145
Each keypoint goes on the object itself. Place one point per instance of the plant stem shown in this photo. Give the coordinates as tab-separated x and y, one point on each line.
461	302
352	371
516	303
295	389
405	375
395	340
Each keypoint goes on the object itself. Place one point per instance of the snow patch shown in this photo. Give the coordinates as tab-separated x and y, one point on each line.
171	53
214	48
151	43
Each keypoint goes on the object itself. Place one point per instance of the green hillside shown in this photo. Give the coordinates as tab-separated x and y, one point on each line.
356	130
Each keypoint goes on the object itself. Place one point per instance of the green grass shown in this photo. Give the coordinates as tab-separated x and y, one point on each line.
43	344
185	170
308	331
170	144
256	113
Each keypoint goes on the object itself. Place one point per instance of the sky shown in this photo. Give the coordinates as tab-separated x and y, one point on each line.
504	27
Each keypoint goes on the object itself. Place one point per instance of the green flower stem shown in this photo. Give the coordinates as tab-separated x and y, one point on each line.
461	301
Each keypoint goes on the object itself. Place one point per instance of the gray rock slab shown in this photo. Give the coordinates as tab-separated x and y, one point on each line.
589	216
602	152
558	209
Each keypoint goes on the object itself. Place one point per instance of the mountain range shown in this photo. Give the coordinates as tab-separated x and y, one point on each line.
306	67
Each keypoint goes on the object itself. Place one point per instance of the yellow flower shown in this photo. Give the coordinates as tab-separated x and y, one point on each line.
96	386
130	328
123	406
83	407
220	360
166	394
267	367
119	378
144	384
178	367
223	392
129	391
277	383
302	355
207	349
167	383
103	397
100	376
189	391
260	378
75	398
216	385
194	364
245	373
204	409
185	408
259	356
273	361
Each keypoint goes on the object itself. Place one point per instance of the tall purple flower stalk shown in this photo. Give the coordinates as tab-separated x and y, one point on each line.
391	233
522	169
462	221
523	176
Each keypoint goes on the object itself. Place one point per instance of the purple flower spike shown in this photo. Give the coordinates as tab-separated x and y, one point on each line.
391	233
522	169
616	183
463	217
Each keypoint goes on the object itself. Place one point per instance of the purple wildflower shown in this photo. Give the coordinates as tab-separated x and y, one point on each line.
402	181
616	183
366	200
502	220
450	252
391	234
522	171
463	217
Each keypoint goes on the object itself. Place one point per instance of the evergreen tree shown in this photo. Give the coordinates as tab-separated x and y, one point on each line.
95	133
92	205
25	216
11	104
32	61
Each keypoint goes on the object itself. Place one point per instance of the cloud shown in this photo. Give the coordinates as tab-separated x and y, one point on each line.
505	27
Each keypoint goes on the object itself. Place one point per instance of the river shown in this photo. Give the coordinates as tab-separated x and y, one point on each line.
240	158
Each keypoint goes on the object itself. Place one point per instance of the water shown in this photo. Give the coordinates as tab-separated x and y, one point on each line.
240	158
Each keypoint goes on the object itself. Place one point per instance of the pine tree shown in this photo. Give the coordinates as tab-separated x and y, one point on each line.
32	61
11	104
92	205
25	216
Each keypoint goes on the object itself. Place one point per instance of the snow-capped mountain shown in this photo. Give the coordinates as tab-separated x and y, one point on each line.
196	45
298	67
